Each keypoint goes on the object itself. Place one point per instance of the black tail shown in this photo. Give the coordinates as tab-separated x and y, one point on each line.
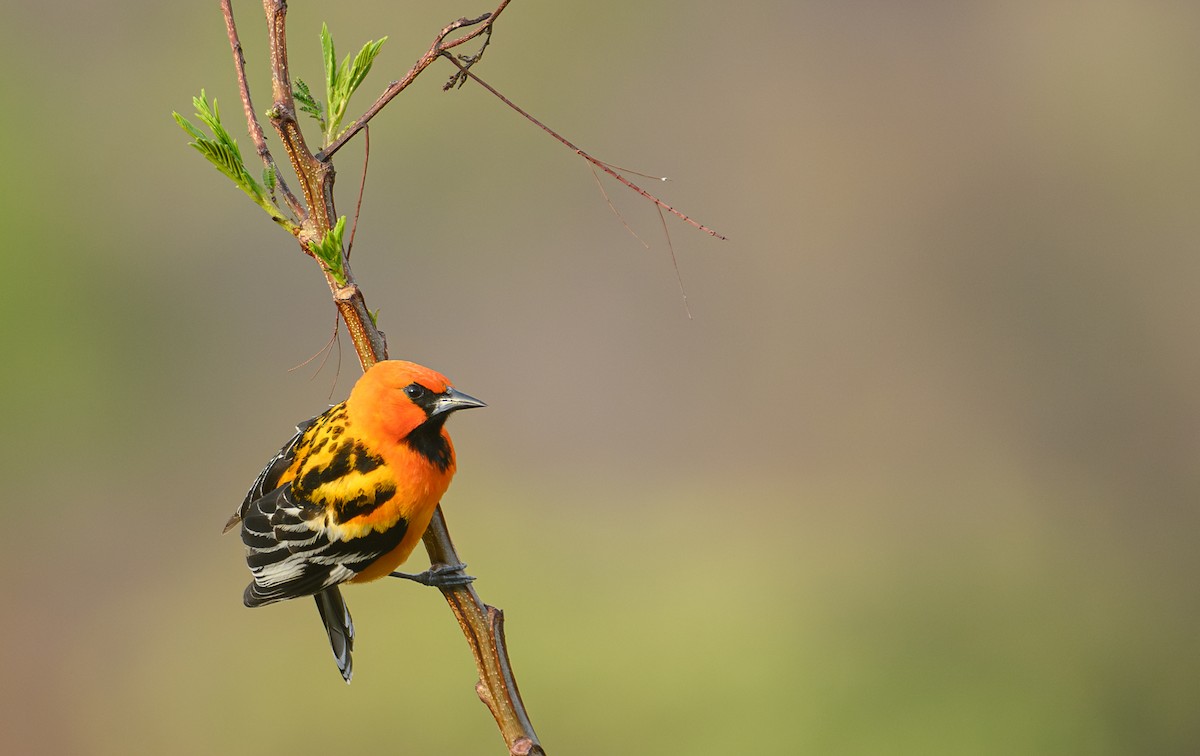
340	627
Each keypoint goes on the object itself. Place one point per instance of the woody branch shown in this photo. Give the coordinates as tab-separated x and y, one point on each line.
482	625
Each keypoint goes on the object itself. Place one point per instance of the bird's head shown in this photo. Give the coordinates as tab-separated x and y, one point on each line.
397	397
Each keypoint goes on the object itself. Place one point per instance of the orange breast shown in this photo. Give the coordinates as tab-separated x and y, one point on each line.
420	485
388	563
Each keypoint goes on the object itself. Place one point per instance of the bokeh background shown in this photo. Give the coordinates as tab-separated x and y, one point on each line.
920	475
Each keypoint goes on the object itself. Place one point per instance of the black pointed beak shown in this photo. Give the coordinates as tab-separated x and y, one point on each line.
452	400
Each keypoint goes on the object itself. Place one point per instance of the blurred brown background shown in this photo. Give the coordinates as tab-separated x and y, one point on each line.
919	477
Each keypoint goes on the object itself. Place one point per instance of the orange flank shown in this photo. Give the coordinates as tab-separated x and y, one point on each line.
347	499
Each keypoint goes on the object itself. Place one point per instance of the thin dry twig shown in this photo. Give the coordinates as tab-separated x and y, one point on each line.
324	351
332	345
464	70
362	187
674	262
616	167
256	132
611	206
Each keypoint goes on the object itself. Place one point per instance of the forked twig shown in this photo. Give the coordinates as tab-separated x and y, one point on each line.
465	71
256	132
615	211
436	49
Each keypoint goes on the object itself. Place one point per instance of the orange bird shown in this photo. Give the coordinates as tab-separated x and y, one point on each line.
349	496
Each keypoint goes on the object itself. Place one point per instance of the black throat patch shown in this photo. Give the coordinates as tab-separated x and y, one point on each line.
428	441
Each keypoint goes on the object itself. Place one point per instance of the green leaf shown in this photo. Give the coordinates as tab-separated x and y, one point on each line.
362	65
228	162
342	81
329	251
187	126
211	116
329	57
222	151
308	103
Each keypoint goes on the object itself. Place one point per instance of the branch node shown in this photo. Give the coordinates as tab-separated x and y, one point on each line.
345	293
521	747
481	690
460	76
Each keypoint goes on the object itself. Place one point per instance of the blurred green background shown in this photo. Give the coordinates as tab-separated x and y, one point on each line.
920	476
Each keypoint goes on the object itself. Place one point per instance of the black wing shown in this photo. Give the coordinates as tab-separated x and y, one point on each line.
268	479
293	548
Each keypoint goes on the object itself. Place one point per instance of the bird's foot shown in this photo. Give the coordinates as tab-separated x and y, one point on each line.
439	576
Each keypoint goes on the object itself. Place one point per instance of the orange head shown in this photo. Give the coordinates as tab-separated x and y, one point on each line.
395	398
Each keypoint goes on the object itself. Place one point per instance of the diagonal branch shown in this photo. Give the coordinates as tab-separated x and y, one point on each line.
256	132
438	47
316	178
482	625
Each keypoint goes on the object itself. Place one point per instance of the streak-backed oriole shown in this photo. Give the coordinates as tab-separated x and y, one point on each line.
350	495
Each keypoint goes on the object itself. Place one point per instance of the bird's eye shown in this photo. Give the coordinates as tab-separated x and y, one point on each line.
414	390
